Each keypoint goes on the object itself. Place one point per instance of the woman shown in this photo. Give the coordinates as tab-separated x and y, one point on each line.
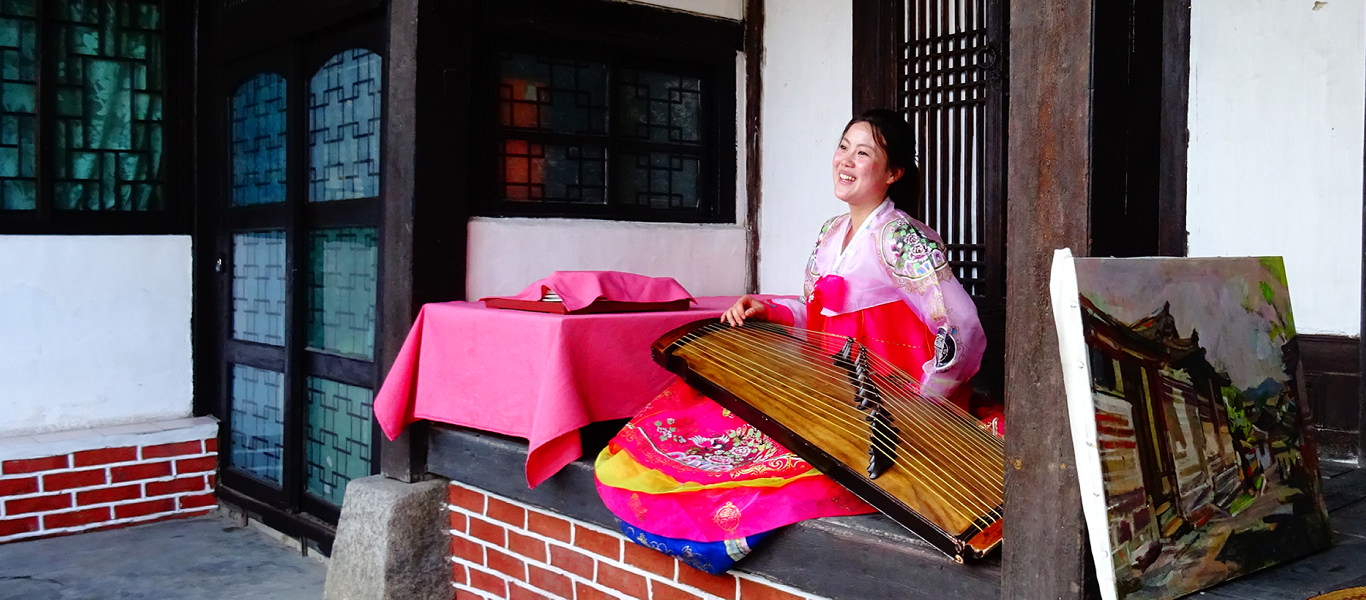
689	478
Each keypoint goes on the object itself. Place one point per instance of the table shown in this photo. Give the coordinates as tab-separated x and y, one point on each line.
537	376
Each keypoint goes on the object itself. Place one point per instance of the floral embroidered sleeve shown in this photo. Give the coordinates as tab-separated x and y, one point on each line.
916	261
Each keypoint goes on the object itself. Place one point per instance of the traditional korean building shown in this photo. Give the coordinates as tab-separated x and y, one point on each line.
1163	429
220	218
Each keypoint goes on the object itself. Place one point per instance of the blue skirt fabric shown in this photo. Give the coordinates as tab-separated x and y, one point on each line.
712	557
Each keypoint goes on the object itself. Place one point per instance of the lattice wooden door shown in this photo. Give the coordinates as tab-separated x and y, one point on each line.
950	83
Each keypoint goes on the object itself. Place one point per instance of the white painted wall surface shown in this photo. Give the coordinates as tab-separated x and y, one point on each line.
1275	162
506	255
94	330
807	100
708	260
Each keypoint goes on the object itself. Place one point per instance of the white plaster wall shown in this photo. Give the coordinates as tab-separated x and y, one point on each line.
506	255
708	260
94	330
807	99
1275	161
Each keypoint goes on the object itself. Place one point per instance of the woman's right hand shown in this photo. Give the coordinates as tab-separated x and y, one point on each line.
745	306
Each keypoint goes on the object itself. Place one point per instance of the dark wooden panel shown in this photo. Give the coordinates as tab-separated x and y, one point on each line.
1332	384
1047	208
1173	138
754	95
1125	116
1329	353
242	28
876	48
1334	398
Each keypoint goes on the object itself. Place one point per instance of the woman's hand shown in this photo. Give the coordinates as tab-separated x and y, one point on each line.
746	306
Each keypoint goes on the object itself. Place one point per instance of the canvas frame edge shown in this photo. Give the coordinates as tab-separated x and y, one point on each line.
1081	411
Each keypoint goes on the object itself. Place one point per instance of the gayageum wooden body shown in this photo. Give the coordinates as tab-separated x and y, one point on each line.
923	462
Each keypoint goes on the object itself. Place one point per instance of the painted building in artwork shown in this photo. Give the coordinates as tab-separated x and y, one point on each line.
1171	458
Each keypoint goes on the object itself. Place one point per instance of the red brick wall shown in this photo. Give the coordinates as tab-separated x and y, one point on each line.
106	488
501	548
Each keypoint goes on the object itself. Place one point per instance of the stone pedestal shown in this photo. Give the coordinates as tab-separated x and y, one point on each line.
391	542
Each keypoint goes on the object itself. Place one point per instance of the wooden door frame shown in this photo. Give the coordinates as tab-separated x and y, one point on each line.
218	61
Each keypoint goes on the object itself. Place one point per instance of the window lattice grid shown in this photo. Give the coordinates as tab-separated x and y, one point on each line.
344	127
658	107
259	140
943	93
258	422
338	445
557	147
343	275
18	105
658	179
258	287
107	122
544	94
575	173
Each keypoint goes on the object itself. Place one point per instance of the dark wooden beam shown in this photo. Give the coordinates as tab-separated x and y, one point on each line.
403	459
877	43
1047	208
754	95
1173	137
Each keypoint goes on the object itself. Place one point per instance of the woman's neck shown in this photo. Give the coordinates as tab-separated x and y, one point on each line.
858	214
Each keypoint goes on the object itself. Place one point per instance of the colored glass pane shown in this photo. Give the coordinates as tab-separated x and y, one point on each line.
338	442
258	426
341	291
658	107
108	84
258	287
258	140
344	127
18	105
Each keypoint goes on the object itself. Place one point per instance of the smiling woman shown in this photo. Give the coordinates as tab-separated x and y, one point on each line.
690	478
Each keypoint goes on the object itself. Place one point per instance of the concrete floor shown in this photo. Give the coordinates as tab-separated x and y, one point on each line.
209	557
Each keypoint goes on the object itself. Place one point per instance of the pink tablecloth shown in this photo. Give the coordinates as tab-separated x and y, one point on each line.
532	375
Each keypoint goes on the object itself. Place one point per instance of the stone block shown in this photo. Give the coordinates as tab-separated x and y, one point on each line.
391	542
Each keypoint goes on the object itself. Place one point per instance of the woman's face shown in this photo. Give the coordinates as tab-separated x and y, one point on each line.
860	167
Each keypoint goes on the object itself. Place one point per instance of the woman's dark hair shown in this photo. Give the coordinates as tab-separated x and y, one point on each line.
897	140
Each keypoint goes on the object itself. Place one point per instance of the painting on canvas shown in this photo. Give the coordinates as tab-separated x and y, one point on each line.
1194	453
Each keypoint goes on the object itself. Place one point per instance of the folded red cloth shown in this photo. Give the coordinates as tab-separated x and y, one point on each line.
578	289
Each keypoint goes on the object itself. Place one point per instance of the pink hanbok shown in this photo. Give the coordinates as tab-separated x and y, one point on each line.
689	470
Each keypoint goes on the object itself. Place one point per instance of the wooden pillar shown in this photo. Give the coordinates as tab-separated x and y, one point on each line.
426	201
1049	170
754	97
403	459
